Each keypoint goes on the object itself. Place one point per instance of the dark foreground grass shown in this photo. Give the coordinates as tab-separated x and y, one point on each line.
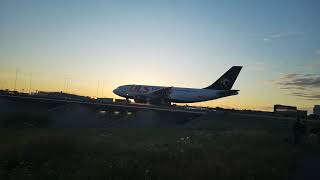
189	152
25	119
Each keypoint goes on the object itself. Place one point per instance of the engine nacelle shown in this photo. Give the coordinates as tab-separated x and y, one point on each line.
158	101
141	99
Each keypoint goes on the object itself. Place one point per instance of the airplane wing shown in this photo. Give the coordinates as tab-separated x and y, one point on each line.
160	96
162	93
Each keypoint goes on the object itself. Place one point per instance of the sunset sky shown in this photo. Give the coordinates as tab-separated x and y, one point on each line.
96	46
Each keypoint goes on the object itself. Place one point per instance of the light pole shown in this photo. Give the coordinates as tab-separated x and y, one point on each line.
15	81
98	89
102	88
30	83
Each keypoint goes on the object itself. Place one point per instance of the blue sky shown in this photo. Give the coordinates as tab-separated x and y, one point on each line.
174	43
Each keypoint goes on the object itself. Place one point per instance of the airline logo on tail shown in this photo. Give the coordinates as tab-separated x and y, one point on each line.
225	82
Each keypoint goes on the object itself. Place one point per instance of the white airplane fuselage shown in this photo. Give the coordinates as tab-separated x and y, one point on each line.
177	95
166	95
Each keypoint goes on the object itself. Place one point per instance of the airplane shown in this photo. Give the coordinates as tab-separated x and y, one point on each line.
160	95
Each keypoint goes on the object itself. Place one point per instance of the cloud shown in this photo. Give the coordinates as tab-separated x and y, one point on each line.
300	80
266	39
276	36
283	35
312	82
290	88
306	95
289	76
306	86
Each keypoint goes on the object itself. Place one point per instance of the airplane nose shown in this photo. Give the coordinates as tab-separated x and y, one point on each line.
117	92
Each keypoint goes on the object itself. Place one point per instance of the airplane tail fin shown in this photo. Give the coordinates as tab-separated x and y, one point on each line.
226	81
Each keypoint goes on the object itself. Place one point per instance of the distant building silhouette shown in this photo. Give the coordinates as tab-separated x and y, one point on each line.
290	111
